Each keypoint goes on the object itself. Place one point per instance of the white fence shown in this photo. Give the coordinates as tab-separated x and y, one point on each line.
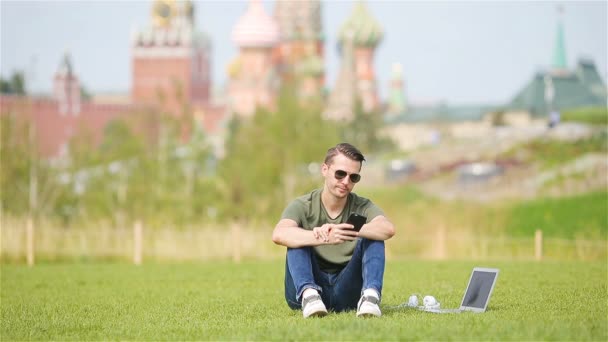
24	242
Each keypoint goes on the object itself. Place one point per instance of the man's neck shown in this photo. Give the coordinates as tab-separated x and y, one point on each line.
332	204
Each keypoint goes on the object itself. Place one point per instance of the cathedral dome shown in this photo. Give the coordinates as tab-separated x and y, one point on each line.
361	27
255	28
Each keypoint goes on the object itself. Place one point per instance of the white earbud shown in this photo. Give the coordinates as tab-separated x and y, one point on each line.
412	301
430	302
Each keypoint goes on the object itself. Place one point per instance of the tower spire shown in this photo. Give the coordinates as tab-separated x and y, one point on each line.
396	98
559	54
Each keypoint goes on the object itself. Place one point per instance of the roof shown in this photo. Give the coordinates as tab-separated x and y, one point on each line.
361	27
441	113
256	28
563	90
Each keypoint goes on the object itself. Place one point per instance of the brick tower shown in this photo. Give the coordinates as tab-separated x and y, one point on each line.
66	88
358	38
170	60
396	102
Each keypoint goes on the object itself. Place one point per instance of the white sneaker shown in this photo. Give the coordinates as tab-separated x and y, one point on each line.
313	306
368	307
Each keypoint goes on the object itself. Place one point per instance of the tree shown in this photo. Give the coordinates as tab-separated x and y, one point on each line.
28	183
267	157
85	95
364	131
15	159
15	85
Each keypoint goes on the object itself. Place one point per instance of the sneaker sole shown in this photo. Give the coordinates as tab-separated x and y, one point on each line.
318	310
317	314
368	314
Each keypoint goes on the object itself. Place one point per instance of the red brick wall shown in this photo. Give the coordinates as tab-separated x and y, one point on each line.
53	129
169	76
180	79
200	78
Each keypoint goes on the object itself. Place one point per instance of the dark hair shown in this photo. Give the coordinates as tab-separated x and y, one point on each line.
350	151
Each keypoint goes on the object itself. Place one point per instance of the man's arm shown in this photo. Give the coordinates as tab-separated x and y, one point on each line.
287	233
379	228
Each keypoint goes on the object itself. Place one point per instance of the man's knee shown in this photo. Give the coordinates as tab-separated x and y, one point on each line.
372	243
291	301
299	251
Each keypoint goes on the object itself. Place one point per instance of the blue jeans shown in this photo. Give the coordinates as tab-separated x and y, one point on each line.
340	291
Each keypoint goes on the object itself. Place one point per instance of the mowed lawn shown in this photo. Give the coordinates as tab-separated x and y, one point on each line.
225	301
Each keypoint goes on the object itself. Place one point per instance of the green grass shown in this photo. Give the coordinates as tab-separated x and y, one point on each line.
551	153
593	115
578	216
223	301
570	217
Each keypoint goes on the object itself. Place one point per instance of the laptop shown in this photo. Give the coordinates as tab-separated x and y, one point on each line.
478	292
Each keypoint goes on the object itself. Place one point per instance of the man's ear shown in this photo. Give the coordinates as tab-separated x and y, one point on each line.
324	169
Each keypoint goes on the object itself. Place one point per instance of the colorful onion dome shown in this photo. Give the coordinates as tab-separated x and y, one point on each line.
361	27
256	28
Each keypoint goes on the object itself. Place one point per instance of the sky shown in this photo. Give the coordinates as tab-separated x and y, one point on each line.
459	52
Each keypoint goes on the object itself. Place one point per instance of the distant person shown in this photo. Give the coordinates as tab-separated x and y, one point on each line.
554	118
329	264
435	137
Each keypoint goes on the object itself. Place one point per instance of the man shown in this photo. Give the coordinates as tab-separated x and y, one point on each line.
330	265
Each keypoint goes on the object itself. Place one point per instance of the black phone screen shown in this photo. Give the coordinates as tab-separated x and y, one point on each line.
357	221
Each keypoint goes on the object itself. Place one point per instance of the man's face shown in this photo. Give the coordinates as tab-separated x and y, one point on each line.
340	187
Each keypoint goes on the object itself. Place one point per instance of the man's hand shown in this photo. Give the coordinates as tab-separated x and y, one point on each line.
339	233
321	233
288	234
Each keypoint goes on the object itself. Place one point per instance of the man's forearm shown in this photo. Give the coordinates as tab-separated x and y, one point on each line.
294	237
378	229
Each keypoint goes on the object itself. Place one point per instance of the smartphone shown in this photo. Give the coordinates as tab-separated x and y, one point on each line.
357	221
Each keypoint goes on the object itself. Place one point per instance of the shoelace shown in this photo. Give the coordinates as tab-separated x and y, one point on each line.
309	299
370	299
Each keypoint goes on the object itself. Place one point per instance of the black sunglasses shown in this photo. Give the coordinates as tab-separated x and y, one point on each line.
354	177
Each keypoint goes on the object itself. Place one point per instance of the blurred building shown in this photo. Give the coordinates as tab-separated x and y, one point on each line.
358	38
253	75
557	88
300	50
57	119
292	55
171	74
274	51
170	58
560	88
396	103
170	70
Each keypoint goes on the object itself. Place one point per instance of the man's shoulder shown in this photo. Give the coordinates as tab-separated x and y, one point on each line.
359	200
301	206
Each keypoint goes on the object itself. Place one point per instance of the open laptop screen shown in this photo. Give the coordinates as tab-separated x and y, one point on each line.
479	289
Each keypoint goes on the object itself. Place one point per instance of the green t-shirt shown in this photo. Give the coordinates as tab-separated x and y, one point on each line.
309	212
